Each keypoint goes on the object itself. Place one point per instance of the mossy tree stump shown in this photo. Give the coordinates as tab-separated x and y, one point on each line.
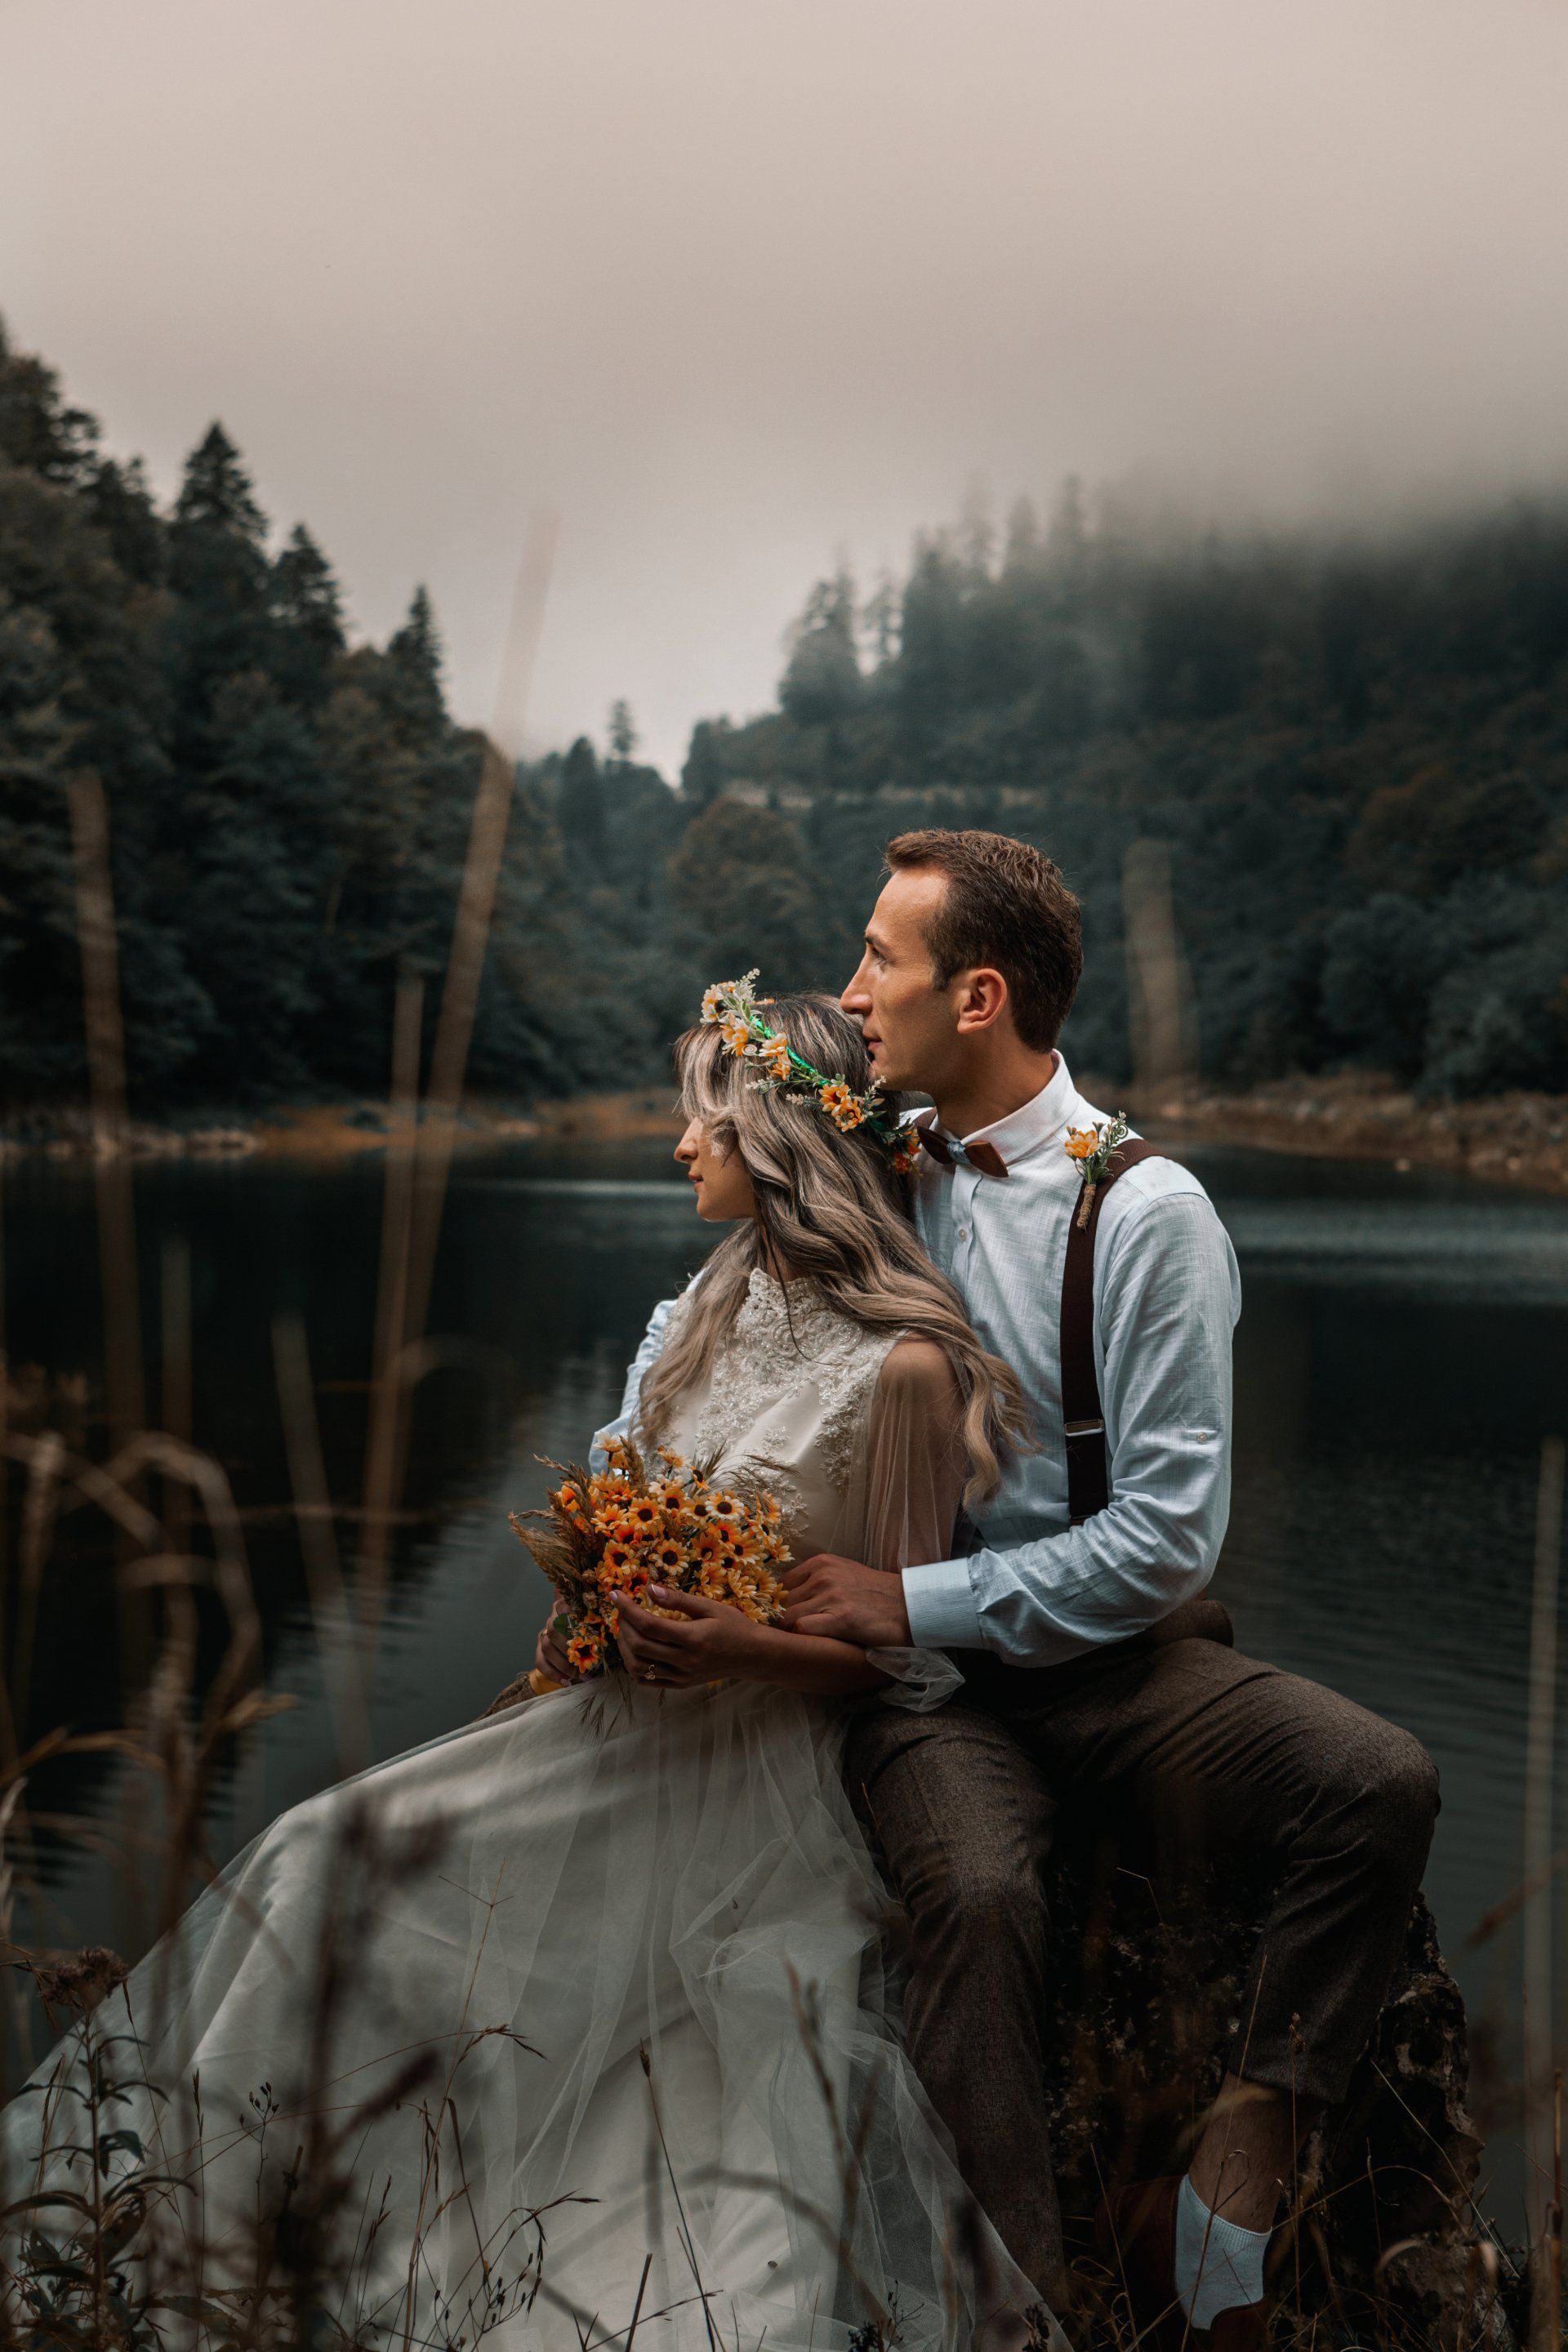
1383	2246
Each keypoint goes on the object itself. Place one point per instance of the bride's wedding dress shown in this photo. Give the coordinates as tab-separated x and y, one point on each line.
614	1944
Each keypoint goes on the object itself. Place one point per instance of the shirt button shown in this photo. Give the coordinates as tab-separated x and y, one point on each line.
963	1233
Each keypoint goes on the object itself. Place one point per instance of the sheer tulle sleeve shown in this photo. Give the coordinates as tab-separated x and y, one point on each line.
916	1470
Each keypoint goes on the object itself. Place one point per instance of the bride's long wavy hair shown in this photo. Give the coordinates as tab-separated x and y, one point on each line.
829	1207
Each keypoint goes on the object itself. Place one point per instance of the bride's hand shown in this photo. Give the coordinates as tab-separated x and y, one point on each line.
549	1657
707	1643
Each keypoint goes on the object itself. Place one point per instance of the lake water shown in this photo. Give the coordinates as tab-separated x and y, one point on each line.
1403	1350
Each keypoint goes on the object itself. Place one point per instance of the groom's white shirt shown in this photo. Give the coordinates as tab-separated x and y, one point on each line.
1166	1297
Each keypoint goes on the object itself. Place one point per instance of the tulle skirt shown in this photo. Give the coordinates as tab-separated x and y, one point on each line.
571	2019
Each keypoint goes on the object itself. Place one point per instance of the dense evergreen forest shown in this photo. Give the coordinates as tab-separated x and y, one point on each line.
1353	751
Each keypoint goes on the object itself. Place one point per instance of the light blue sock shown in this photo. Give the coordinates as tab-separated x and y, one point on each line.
1218	2264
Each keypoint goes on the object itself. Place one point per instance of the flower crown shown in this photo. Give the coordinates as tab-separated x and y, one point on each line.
732	1007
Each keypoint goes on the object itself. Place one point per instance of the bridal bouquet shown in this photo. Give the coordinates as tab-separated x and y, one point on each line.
613	1533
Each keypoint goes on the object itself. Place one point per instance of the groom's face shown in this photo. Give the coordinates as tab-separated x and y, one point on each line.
911	1025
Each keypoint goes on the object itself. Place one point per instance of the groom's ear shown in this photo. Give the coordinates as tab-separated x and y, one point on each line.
981	999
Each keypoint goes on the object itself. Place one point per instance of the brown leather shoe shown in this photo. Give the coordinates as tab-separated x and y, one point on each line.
1135	2238
1243	2328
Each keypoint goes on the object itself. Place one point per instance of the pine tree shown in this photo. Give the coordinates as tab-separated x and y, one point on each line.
622	733
704	775
216	493
582	801
976	534
121	504
822	680
413	670
261	874
219	572
37	431
1022	551
881	621
309	609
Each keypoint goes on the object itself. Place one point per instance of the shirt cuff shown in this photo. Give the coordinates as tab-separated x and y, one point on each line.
941	1604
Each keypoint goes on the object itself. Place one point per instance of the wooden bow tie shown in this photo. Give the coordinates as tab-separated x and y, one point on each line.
983	1156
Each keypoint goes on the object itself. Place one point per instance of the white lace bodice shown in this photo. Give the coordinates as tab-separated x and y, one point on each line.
787	1406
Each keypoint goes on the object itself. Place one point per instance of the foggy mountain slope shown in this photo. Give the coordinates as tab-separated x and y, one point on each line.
1353	752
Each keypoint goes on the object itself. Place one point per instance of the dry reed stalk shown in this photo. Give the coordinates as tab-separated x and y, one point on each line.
1161	1004
46	1457
335	1632
105	1037
414	1271
381	1462
1554	2221
174	1324
476	908
7	1727
1539	1991
106	1080
163	1742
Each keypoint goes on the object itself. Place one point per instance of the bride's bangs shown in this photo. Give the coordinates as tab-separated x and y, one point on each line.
707	1086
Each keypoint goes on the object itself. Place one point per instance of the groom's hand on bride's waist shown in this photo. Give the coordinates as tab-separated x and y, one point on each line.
846	1601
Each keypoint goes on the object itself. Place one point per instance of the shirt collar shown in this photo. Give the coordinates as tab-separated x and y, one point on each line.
1041	1120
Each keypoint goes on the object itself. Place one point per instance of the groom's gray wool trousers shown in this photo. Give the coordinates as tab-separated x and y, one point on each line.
1201	1756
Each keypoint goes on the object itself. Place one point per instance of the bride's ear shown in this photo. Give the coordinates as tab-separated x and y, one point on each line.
980	998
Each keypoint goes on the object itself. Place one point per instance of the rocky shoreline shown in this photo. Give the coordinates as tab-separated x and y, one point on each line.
324	1131
1518	1139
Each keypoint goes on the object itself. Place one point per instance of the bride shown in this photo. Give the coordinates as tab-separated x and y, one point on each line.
570	2025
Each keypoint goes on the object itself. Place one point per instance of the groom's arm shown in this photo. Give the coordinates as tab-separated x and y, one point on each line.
1168	1299
1168	1304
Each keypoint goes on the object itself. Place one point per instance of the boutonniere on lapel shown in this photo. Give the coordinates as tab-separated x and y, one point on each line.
1094	1147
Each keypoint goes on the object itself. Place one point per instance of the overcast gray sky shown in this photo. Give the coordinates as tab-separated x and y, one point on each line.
743	284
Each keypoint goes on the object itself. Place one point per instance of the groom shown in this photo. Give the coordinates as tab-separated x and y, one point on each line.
1079	1682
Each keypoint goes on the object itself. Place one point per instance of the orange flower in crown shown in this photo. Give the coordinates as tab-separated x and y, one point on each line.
907	1151
843	1105
734	1009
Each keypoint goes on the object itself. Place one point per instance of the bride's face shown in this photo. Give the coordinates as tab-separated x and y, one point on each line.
718	1176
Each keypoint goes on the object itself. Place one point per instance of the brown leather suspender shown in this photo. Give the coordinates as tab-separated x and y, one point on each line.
1088	1484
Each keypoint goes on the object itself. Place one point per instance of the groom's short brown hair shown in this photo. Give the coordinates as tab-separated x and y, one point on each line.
1007	906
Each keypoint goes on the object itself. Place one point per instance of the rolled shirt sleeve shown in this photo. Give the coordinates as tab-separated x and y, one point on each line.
1167	1299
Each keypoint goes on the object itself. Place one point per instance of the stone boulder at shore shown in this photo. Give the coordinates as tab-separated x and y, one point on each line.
1388	2247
